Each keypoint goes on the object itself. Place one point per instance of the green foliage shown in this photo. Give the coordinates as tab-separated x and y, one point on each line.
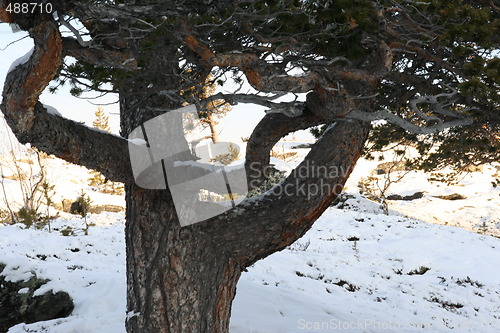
68	231
317	131
84	77
314	23
85	203
48	192
28	217
441	46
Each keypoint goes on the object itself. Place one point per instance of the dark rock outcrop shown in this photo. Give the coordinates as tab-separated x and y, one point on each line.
19	305
454	196
77	208
416	195
387	167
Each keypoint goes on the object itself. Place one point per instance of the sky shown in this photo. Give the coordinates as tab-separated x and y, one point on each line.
237	124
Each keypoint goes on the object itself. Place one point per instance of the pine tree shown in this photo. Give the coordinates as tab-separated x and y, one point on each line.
101	120
423	71
98	180
210	112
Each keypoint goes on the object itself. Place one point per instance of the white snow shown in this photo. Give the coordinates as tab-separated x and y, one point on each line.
137	142
20	60
52	110
356	270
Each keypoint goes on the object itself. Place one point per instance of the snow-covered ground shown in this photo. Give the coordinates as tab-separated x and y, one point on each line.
356	270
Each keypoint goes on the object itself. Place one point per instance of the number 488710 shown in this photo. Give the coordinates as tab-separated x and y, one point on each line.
29	7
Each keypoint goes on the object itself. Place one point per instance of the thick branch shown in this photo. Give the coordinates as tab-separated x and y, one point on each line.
405	124
98	57
261	75
268	223
31	122
79	144
291	109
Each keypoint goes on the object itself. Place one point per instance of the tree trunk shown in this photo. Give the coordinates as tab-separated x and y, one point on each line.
178	280
214	135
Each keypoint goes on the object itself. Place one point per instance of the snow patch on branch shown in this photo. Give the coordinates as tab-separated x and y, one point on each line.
52	110
137	142
21	60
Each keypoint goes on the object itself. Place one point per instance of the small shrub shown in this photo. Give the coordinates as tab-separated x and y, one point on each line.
68	231
84	203
27	216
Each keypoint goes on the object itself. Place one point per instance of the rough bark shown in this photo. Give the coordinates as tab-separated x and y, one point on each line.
179	280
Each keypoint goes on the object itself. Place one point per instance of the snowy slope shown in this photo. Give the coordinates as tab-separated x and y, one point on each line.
329	280
356	270
352	268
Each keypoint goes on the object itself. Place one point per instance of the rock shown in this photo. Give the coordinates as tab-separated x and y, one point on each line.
416	195
18	305
69	206
76	208
454	196
386	167
66	205
105	208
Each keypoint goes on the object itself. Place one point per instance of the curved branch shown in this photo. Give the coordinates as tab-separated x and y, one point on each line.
291	109
52	134
75	32
283	214
405	124
261	75
266	134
